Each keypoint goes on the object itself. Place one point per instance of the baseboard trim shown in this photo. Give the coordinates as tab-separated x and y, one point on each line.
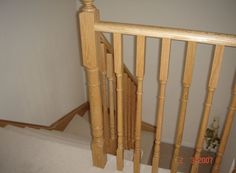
148	127
59	125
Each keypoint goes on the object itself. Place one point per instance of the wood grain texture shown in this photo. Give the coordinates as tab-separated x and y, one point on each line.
90	44
110	76
214	75
187	78
129	113
118	60
140	66
125	108
167	32
163	75
133	114
103	76
148	127
59	125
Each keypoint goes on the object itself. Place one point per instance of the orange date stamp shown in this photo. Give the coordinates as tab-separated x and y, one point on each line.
202	160
196	160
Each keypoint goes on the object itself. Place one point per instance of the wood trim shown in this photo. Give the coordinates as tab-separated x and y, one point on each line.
148	127
167	32
59	125
110	50
108	45
126	70
4	123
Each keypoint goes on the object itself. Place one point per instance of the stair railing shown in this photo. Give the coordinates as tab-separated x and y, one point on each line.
91	28
129	85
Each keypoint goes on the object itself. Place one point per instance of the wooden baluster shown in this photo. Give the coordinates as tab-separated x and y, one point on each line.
164	65
119	74
129	113
132	114
140	63
226	132
218	56
103	70
125	78
90	46
110	76
188	71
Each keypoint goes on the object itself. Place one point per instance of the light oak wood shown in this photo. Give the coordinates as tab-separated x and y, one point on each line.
214	75
226	132
125	107
90	44
110	76
103	78
58	125
126	115
187	78
133	114
106	43
148	127
166	32
140	65
129	113
163	75
118	59
131	76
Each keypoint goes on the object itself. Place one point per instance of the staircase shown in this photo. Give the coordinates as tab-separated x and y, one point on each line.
27	150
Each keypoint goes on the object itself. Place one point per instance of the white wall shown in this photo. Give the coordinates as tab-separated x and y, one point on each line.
230	152
211	15
40	71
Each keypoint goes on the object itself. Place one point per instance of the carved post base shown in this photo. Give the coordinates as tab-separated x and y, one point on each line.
155	164
112	146
99	156
137	160
120	159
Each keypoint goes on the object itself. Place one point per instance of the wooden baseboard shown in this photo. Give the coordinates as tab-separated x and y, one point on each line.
59	125
148	127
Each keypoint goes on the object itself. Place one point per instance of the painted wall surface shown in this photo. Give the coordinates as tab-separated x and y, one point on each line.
230	152
212	15
40	73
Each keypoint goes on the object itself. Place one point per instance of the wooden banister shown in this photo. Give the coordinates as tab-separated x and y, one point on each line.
125	105
110	50
214	75
125	108
140	63
103	77
118	64
226	132
167	32
90	51
188	71
110	76
164	66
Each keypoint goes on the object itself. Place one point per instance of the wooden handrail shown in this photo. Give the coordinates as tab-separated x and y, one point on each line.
91	33
167	32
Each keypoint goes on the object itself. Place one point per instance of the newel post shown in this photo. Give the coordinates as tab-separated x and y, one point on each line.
88	15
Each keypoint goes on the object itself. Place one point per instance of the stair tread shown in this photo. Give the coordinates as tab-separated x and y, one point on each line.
79	126
42	135
34	154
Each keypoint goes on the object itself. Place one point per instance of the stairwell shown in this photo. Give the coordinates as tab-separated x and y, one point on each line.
27	150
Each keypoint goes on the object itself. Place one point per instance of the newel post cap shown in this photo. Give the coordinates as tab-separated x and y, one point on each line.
88	5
